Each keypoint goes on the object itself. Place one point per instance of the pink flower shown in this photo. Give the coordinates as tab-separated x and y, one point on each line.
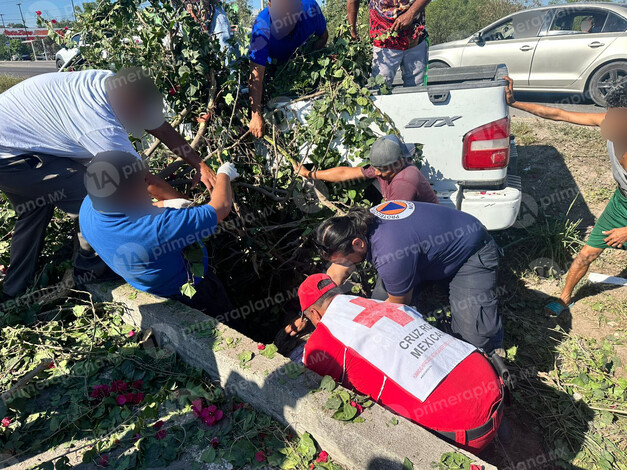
53	21
261	346
6	421
215	442
260	456
237	406
66	28
138	398
38	13
354	404
51	365
161	434
158	425
120	399
172	91
118	386
197	407
322	456
103	461
211	415
131	334
100	391
137	384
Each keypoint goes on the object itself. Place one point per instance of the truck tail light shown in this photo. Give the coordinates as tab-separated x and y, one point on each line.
487	147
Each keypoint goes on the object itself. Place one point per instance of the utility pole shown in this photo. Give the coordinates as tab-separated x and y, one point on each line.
19	5
2	17
74	10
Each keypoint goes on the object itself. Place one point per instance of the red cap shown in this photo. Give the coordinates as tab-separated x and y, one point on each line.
308	292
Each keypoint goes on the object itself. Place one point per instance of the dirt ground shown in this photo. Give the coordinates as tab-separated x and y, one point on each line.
565	171
560	163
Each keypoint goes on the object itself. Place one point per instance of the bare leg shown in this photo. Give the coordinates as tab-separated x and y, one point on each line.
578	270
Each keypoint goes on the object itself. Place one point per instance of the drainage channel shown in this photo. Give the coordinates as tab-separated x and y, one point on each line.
277	387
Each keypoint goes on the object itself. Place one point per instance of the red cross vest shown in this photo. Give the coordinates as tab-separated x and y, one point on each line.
388	352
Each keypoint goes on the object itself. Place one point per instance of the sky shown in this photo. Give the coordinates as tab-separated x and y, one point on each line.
57	9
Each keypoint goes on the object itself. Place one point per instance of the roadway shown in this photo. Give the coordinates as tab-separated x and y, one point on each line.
565	101
27	68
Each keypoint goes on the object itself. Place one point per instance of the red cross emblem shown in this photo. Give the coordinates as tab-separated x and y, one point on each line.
375	311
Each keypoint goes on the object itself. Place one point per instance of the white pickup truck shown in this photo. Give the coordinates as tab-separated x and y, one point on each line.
463	122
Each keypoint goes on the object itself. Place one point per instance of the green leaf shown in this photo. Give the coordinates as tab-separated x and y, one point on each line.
54	424
327	383
306	446
245	357
270	351
209	455
333	403
407	464
188	290
78	310
198	269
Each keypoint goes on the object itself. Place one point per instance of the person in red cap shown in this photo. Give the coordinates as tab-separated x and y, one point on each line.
388	352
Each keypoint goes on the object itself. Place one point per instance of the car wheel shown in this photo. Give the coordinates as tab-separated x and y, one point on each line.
60	64
439	65
604	79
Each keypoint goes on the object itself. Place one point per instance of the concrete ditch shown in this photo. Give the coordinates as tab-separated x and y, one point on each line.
277	386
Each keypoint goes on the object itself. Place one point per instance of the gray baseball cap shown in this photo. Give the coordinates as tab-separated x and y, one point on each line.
388	150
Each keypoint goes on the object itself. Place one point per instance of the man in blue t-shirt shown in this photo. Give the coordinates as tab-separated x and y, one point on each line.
145	244
413	242
278	31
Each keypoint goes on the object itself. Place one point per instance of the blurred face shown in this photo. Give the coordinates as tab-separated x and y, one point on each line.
135	112
614	126
285	15
388	173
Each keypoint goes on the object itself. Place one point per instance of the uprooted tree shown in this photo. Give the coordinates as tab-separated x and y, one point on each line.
265	242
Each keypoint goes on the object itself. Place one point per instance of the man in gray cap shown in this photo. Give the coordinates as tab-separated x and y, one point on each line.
391	165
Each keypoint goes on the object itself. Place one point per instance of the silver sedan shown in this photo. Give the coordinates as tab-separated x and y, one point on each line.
574	48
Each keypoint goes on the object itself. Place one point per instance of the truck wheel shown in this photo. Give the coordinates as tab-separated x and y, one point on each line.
59	64
604	79
436	64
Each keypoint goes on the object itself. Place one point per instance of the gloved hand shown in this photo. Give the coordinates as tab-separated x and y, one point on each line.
229	170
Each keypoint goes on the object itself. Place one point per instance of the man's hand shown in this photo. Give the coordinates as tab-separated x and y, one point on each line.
509	91
404	21
296	326
616	237
229	170
303	172
257	125
206	175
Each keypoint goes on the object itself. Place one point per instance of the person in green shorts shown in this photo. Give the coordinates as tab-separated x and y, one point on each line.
610	230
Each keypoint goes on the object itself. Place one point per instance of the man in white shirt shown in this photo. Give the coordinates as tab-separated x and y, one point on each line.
50	128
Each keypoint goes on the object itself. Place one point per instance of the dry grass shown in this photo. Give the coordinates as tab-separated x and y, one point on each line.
7	81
